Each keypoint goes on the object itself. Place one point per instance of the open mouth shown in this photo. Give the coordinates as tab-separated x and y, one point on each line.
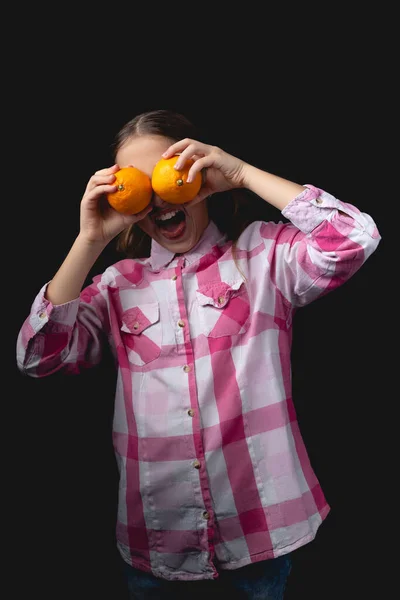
170	222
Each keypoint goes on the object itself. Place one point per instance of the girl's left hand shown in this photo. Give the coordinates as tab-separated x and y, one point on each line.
221	171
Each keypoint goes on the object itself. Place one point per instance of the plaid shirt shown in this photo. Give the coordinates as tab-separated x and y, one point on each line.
213	469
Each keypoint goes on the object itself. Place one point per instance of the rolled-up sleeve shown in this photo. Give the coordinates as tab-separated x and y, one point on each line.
65	337
323	245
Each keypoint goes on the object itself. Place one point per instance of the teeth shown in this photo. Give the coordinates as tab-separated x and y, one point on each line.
167	216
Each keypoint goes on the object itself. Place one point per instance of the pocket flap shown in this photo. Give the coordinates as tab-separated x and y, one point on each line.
218	293
137	319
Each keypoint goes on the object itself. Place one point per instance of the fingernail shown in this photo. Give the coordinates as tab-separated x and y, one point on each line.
177	166
188	179
164	153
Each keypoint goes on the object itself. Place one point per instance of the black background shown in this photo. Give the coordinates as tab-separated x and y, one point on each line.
316	106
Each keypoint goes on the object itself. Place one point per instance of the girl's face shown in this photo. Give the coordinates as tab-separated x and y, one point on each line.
183	226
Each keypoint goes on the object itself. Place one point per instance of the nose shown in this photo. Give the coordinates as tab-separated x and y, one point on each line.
157	202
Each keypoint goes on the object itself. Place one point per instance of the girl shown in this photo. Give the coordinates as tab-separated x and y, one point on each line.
216	489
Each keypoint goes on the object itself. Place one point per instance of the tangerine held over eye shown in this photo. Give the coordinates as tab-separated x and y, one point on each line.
133	192
171	184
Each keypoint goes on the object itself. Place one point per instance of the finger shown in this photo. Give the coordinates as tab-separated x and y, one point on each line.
143	213
97	180
177	147
108	170
134	218
180	146
189	152
202	163
98	191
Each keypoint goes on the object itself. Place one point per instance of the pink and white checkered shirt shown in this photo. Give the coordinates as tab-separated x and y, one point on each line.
213	469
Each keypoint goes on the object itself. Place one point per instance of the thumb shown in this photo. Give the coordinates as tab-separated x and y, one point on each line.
140	215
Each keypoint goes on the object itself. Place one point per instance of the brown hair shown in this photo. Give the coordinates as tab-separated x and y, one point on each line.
231	211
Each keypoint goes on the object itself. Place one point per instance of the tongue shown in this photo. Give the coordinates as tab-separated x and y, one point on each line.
172	226
173	229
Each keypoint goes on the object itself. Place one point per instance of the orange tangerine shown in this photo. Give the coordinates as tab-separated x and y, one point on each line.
133	192
171	184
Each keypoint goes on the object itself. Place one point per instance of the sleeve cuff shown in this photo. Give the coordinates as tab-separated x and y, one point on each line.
311	207
43	311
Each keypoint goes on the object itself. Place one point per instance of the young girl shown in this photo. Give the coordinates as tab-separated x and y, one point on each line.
216	489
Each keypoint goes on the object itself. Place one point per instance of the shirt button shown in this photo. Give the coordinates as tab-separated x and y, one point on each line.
175	277
136	325
319	200
206	515
191	412
186	368
181	323
221	300
42	315
196	464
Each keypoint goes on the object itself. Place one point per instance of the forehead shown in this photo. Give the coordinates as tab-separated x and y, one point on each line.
143	152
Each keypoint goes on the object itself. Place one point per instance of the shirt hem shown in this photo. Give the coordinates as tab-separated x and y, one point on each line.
169	575
270	554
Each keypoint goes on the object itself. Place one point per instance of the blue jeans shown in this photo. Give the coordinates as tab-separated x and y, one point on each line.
264	580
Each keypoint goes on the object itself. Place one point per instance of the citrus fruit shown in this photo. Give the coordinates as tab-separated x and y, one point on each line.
171	185
133	192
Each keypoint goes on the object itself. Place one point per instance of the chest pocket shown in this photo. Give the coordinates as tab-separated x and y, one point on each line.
224	309
142	333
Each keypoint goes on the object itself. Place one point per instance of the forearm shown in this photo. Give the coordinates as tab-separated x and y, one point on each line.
67	283
271	188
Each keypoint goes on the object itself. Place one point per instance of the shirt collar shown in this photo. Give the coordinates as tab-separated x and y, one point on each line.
160	257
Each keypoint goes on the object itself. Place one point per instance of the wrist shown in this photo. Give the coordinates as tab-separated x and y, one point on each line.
89	245
247	175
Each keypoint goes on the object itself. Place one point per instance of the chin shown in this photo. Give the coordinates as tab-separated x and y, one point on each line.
178	247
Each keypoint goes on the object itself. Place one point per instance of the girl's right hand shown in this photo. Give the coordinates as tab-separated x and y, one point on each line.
99	222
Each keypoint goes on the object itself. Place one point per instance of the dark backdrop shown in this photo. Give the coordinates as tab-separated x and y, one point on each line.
322	120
